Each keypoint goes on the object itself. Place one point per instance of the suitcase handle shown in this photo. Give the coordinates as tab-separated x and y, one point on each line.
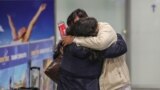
38	68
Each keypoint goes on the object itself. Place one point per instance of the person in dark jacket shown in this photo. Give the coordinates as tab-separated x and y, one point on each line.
81	67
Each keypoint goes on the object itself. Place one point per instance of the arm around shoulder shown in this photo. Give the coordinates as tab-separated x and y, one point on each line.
117	49
106	36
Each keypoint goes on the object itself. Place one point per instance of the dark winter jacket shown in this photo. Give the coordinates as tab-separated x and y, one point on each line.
84	62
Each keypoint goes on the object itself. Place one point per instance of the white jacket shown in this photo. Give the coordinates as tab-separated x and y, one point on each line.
115	74
107	36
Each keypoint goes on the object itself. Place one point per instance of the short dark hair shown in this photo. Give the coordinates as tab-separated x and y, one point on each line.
84	27
78	12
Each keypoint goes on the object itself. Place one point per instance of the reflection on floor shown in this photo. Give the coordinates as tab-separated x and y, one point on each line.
145	89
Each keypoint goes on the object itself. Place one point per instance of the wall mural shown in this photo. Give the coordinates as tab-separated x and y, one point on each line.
26	41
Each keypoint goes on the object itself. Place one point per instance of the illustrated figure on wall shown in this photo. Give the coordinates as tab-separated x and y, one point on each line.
24	33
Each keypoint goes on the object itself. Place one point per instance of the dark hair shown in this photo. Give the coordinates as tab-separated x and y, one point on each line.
84	27
78	12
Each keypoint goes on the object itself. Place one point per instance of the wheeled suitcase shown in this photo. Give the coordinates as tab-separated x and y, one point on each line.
35	78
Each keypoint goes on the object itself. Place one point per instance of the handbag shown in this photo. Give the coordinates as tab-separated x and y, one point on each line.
53	70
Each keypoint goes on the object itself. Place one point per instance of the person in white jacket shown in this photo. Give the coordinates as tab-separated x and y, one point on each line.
105	38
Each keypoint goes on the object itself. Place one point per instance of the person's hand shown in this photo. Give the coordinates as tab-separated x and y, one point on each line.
66	40
43	6
8	16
